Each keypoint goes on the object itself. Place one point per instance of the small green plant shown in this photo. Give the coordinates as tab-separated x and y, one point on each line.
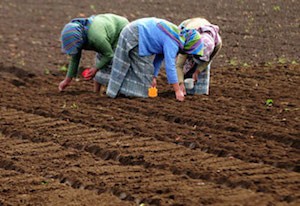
93	8
74	106
63	68
233	62
46	71
294	62
64	105
282	60
246	65
268	63
276	8
269	102
44	182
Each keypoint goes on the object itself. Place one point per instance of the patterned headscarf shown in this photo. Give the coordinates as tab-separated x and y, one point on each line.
210	39
74	35
187	39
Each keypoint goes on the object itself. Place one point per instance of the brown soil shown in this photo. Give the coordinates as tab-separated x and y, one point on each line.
76	148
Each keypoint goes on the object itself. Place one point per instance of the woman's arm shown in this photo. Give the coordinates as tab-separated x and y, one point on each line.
181	58
170	52
73	65
157	63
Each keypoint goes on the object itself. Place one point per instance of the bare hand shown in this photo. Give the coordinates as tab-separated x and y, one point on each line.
195	75
179	95
154	82
91	73
63	84
182	88
178	92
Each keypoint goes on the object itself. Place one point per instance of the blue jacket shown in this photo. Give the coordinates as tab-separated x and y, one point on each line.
153	41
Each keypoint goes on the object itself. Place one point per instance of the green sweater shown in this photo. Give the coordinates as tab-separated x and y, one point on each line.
102	37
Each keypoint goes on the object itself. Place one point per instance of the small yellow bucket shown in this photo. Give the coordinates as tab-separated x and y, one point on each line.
152	92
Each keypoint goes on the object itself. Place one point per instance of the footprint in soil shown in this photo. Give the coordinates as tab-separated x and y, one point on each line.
17	83
18	72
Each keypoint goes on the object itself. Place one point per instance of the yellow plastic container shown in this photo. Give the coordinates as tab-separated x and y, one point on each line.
152	92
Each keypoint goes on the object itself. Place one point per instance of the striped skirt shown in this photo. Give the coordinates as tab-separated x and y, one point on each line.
131	74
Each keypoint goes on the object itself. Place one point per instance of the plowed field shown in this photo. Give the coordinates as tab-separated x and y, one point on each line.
77	148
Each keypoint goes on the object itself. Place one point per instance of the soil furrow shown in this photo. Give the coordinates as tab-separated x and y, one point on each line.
204	143
154	185
239	145
180	163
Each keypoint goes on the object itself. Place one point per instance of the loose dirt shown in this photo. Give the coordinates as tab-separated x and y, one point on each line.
77	148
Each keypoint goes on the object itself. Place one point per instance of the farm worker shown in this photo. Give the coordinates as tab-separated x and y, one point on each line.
134	70
198	67
98	33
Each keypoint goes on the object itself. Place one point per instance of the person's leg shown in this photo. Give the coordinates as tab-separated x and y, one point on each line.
102	76
96	86
102	91
101	80
202	85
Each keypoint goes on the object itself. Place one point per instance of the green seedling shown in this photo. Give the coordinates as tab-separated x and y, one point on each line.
64	105
74	106
44	182
268	63
246	65
290	109
63	68
282	60
46	71
233	62
276	8
269	102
